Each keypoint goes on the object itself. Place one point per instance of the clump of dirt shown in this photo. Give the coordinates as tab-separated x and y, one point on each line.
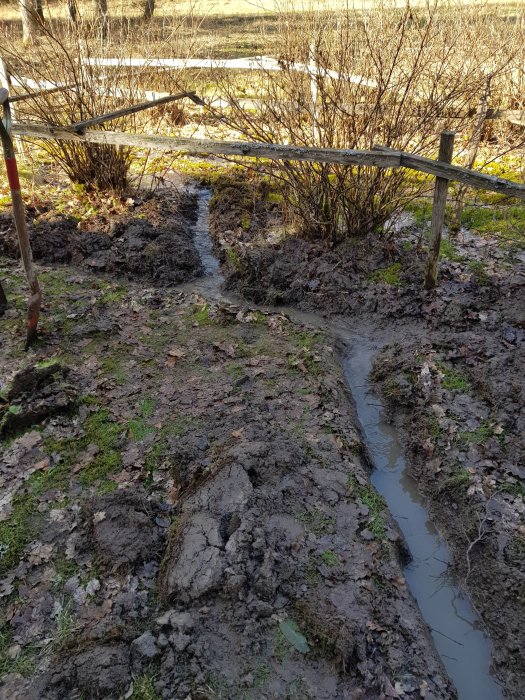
173	532
151	241
121	527
36	393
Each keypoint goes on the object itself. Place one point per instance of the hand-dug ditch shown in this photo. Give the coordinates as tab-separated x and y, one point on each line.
208	490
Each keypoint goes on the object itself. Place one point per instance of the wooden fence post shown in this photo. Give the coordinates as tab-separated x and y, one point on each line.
35	300
446	149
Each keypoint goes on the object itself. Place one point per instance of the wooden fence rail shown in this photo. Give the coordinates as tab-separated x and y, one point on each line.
379	157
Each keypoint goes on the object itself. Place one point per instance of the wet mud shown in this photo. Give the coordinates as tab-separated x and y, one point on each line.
452	383
235	511
152	240
208	495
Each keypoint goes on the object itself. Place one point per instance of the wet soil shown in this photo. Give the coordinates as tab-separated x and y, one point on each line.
453	380
204	487
208	494
151	239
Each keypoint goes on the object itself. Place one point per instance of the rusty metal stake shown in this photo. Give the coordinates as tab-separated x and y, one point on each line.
35	300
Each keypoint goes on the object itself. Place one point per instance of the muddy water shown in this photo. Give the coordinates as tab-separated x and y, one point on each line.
461	643
464	648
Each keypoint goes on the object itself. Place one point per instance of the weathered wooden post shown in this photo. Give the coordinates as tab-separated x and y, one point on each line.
35	300
446	149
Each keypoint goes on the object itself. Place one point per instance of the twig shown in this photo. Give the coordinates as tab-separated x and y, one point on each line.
482	532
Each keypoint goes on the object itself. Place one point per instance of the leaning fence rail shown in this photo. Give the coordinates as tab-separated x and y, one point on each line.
377	157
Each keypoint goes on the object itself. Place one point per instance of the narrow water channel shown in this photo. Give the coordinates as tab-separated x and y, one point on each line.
464	648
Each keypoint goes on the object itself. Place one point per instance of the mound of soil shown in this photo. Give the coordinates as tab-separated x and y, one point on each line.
152	242
36	393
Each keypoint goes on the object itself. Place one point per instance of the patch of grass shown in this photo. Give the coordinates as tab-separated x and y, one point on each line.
154	458
375	504
448	252
113	365
246	221
144	688
147	407
514	489
306	339
281	646
64	570
234	259
261	675
24	663
64	629
317	521
391	389
477	437
101	431
113	296
452	379
18	530
138	429
507	223
434	429
478	269
458	481
201	315
235	371
104	433
330	558
390	275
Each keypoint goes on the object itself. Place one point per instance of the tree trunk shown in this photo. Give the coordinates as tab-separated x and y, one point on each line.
40	11
72	10
30	20
102	17
3	300
149	9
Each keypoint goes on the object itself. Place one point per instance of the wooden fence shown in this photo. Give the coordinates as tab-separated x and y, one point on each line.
379	157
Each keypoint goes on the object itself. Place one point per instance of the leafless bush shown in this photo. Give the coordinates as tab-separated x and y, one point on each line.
354	79
62	57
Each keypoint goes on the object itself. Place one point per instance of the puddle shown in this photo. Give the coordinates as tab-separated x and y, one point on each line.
462	645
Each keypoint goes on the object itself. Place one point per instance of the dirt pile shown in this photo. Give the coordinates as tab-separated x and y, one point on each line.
36	393
151	241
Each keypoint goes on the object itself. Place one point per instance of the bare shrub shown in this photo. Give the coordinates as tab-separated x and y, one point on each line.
62	58
353	79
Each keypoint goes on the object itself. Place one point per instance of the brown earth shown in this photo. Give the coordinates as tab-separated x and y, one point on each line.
456	392
150	240
194	526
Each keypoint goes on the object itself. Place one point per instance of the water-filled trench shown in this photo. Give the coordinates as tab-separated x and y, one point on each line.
459	638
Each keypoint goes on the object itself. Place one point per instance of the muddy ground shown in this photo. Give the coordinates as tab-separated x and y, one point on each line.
186	510
456	392
184	478
149	239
